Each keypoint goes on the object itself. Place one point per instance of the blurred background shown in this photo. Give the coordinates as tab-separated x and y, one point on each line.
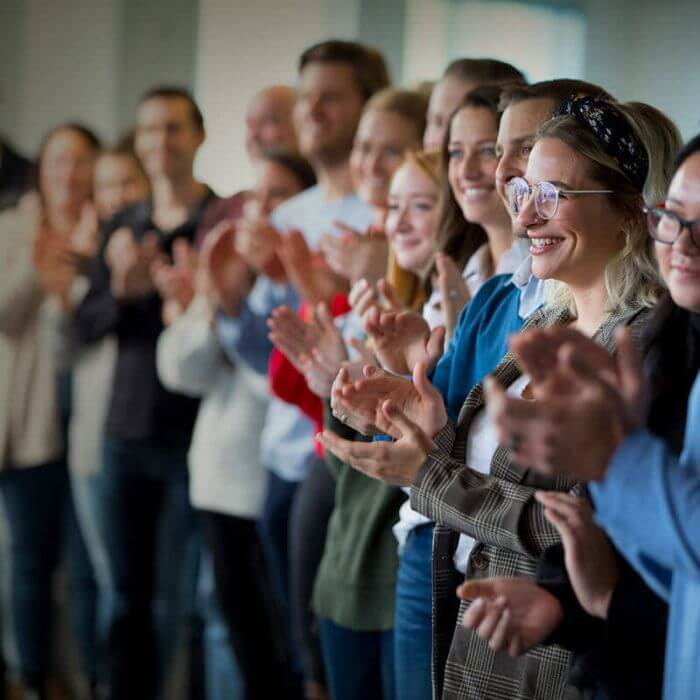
89	60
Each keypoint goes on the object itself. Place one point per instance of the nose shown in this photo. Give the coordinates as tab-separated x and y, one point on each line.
507	168
374	163
403	221
685	244
527	216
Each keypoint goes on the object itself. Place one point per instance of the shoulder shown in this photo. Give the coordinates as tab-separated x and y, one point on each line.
286	213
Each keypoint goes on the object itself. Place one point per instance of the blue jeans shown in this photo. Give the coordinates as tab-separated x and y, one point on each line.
149	528
413	621
34	503
358	664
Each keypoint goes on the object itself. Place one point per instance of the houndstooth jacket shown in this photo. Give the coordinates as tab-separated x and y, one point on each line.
499	511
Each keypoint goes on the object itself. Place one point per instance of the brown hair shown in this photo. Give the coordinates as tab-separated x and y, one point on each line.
556	90
368	65
631	277
170	92
483	70
458	237
297	165
408	104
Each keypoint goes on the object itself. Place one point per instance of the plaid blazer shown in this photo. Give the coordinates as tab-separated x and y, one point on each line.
499	511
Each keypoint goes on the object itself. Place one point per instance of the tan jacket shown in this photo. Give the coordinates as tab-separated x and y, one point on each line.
29	423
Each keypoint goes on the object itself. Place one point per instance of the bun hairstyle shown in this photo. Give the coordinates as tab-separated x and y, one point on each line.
598	130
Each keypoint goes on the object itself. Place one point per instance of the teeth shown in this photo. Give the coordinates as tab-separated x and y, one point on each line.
475	191
542	242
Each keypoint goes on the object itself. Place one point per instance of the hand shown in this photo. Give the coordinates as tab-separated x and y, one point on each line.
397	462
313	279
558	436
454	294
512	614
590	560
403	340
176	282
223	275
360	403
256	240
355	255
319	373
537	349
364	296
85	238
131	263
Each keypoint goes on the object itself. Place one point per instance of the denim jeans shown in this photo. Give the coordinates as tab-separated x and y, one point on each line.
358	664
34	503
149	527
413	620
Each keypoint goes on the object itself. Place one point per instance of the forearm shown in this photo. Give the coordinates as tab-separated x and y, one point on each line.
492	510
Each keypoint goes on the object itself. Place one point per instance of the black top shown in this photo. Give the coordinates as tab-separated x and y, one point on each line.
140	407
15	176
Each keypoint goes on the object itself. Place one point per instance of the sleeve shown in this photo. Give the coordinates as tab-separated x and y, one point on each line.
668	495
288	384
189	358
244	338
492	510
20	291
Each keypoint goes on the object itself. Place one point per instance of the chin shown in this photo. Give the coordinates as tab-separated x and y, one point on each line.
686	298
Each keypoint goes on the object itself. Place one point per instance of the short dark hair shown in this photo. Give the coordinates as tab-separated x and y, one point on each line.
483	70
173	92
368	64
556	90
297	165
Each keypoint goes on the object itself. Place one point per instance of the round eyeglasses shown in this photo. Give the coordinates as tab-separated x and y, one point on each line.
546	195
666	226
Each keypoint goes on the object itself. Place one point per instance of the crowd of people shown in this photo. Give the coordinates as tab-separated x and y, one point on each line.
409	418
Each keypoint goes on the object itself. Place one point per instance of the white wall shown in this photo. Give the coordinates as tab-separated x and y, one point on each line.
242	47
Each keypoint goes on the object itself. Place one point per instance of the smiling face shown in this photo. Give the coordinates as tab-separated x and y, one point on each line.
412	218
381	142
680	262
516	136
118	181
274	184
576	245
327	111
472	165
65	170
166	139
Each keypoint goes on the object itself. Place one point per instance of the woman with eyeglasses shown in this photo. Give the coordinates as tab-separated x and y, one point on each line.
647	483
593	249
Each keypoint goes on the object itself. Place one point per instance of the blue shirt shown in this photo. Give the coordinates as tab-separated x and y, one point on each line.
480	341
649	503
286	441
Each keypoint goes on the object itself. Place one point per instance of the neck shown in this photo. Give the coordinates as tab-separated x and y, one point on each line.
591	306
335	179
172	196
500	239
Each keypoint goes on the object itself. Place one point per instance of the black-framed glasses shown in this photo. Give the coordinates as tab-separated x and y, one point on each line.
666	226
546	196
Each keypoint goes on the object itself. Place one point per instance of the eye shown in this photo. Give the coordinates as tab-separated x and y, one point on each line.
454	153
525	151
488	152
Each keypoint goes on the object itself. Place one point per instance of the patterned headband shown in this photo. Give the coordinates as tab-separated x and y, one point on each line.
613	132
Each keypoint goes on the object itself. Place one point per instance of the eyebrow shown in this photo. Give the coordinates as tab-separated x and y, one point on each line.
521	139
476	143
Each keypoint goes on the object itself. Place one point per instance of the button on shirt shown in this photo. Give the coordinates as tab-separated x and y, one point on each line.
287	437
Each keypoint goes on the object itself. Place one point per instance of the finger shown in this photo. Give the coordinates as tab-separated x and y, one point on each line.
436	343
564	510
493	615
361	347
500	638
475	614
484	588
400	423
389	294
515	648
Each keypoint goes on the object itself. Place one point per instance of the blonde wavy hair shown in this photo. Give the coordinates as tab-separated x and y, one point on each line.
632	277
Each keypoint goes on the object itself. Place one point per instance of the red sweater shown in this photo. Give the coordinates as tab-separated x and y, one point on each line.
288	384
